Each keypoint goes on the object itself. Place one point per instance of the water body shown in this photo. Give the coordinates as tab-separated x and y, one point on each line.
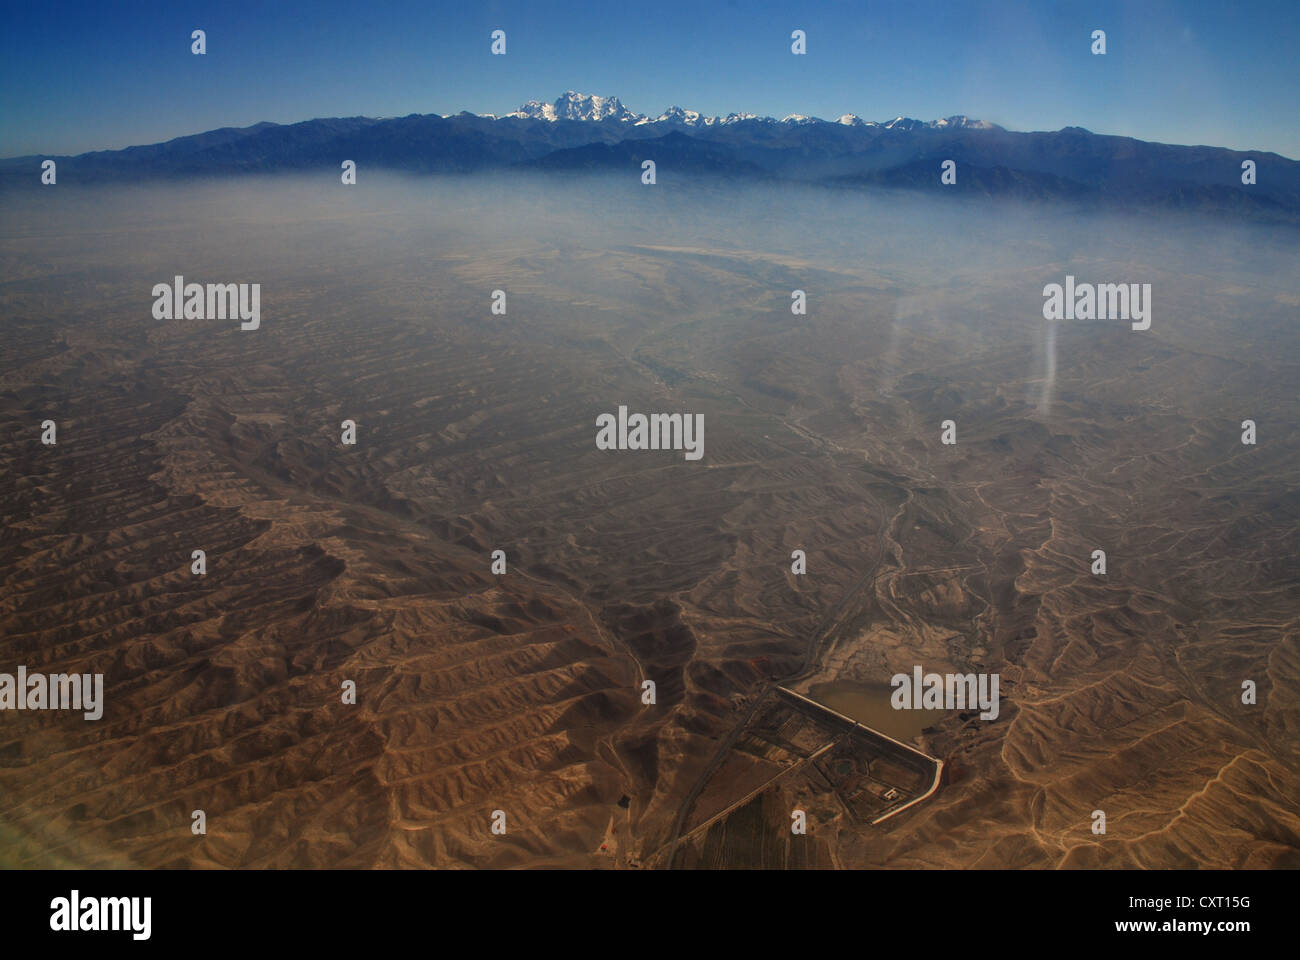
869	705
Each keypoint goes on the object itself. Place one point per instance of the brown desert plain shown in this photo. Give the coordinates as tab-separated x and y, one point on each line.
522	692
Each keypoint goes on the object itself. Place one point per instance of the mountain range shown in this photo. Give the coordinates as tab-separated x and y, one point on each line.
579	132
581	106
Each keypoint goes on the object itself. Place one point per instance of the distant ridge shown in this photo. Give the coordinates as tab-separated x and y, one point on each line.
581	132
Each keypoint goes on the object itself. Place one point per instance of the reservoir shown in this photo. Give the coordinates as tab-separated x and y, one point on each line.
868	704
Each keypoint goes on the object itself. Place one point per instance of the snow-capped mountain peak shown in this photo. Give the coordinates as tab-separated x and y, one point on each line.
692	118
961	122
572	105
738	117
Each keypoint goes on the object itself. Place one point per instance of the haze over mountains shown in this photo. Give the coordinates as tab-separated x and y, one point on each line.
583	132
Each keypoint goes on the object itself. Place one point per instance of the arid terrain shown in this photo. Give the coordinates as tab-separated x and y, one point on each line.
522	692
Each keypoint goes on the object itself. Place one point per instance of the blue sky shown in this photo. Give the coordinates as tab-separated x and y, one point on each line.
97	75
